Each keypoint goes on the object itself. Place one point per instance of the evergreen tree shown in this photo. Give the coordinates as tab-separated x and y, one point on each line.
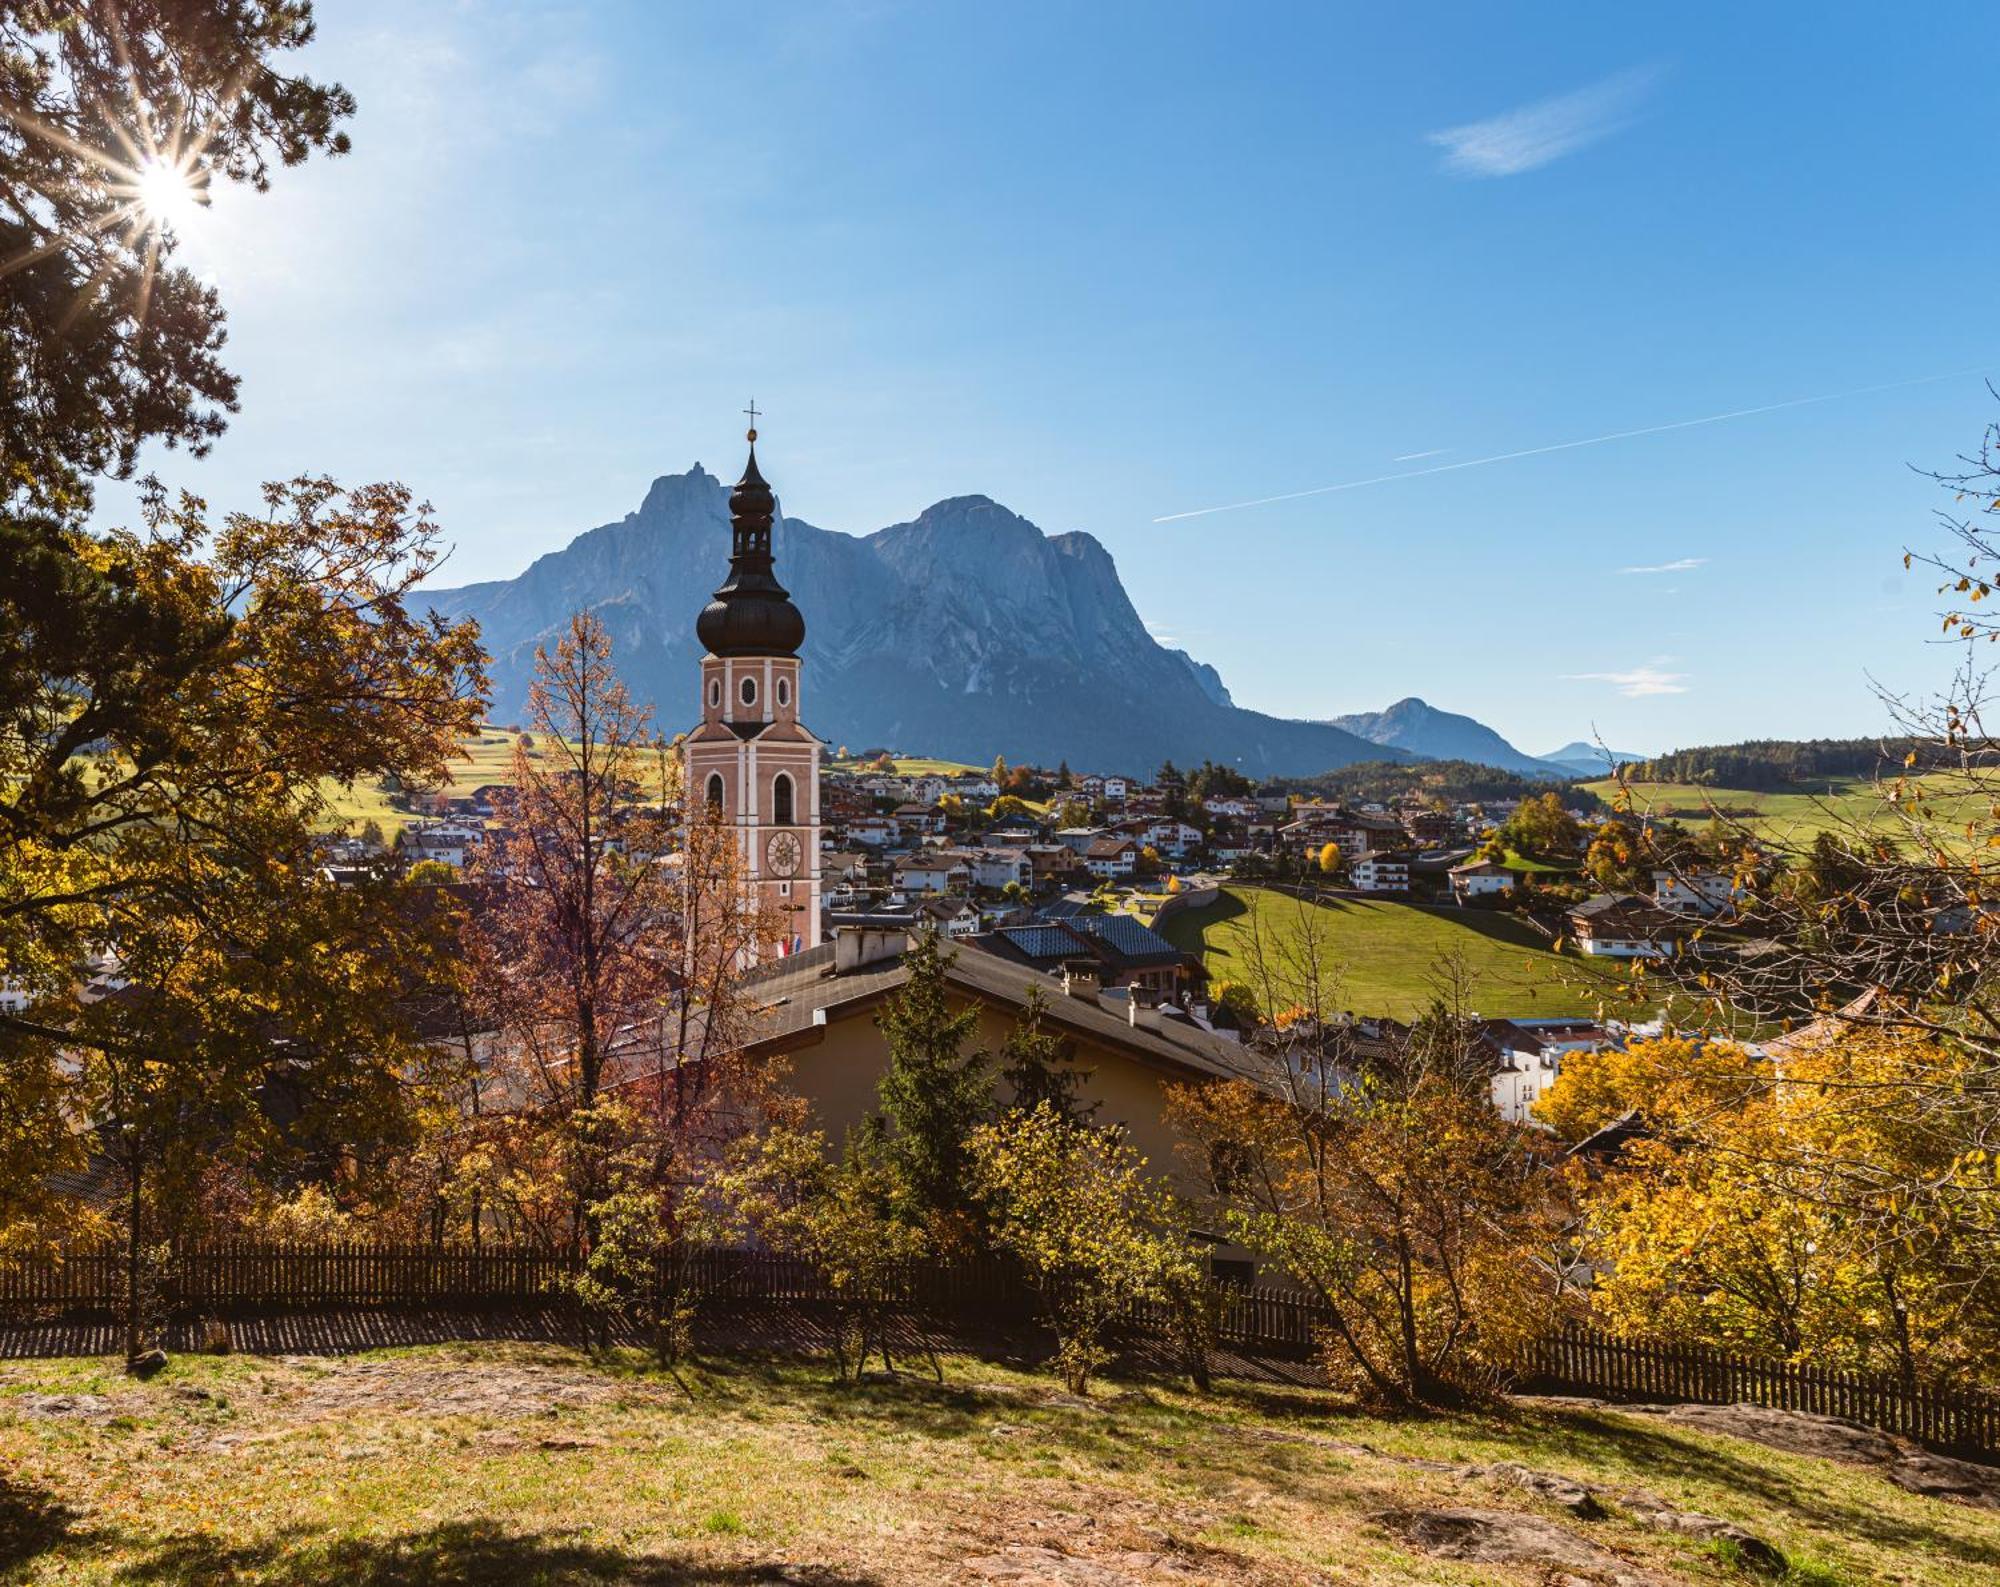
106	342
1036	1064
935	1093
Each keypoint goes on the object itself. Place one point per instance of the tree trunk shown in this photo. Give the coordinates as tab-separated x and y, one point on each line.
133	1207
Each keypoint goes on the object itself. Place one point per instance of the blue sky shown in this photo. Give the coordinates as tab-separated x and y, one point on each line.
1117	262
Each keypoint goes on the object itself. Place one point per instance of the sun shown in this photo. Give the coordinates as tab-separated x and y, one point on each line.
166	192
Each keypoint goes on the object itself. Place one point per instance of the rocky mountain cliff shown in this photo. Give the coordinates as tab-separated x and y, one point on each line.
965	634
1443	735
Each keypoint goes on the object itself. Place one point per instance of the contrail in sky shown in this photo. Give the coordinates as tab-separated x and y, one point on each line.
1567	446
1411	457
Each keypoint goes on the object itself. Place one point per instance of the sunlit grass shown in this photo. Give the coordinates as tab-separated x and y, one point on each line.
1386	954
574	1471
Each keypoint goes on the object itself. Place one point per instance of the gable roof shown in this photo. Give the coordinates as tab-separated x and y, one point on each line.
1130	942
803	995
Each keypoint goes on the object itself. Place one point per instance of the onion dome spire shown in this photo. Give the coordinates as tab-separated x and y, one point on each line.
752	614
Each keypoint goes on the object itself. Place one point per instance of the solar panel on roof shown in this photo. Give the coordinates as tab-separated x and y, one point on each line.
1041	942
1126	934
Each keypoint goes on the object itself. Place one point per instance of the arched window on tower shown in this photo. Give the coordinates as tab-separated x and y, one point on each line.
715	794
781	800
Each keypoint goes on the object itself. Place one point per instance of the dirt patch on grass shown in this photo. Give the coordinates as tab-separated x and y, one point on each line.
1085	1538
499	1390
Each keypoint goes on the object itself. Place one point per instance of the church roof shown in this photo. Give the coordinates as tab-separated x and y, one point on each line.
752	613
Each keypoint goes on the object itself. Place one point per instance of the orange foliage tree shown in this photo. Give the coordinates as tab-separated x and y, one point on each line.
1380	1177
605	956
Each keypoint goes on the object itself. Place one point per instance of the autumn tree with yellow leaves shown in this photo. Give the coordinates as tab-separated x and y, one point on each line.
1815	1205
1093	1228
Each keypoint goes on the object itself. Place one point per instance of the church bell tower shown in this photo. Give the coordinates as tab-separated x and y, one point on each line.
751	759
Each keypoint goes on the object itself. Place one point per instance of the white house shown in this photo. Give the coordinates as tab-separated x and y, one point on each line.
448	839
1111	858
1624	927
1170	836
955	917
1240	809
1530	1054
931	874
1380	872
995	868
1079	838
1695	892
1480	879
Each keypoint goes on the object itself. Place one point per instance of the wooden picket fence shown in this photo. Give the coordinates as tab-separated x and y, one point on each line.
1585	1361
982	1291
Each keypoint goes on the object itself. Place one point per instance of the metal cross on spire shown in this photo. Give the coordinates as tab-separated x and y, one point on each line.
752	411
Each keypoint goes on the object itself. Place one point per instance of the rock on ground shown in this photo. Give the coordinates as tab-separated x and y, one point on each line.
1908	1465
1506	1537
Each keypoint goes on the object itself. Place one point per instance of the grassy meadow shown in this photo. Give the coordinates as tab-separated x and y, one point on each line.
910	766
484	757
1386	950
449	1466
1795	818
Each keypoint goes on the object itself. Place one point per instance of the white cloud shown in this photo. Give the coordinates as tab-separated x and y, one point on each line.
1679	565
1637	683
1530	137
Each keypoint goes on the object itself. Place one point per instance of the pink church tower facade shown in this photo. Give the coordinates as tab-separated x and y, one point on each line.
751	759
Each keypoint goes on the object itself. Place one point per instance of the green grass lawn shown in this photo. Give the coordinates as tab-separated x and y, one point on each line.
1527	865
485	757
1796	817
911	767
1386	952
496	1465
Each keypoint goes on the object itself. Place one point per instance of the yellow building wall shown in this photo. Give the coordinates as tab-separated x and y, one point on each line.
837	1077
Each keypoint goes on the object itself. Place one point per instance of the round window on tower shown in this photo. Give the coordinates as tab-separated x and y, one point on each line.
784	691
749	691
714	692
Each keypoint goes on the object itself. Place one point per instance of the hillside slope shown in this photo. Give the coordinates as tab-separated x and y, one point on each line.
482	1464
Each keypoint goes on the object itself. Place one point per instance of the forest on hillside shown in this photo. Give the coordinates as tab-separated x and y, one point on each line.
1773	765
1453	781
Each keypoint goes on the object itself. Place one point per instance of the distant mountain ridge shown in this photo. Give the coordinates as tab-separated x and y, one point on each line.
1423	729
964	633
1583	759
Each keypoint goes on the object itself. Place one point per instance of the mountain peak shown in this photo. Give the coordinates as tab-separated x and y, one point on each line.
1415	725
672	493
965	633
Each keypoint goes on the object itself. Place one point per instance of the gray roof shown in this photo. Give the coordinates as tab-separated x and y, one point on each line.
795	992
1128	938
1043	941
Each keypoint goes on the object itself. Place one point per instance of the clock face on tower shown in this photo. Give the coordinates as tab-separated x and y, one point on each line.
782	854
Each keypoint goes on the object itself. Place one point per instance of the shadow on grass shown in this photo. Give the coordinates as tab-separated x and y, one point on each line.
31	1523
1653	1455
1189	930
455	1554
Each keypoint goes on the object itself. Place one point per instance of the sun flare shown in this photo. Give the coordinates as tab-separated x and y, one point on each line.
166	193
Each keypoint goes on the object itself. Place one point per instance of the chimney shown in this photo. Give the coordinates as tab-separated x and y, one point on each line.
1082	978
1143	1008
861	947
